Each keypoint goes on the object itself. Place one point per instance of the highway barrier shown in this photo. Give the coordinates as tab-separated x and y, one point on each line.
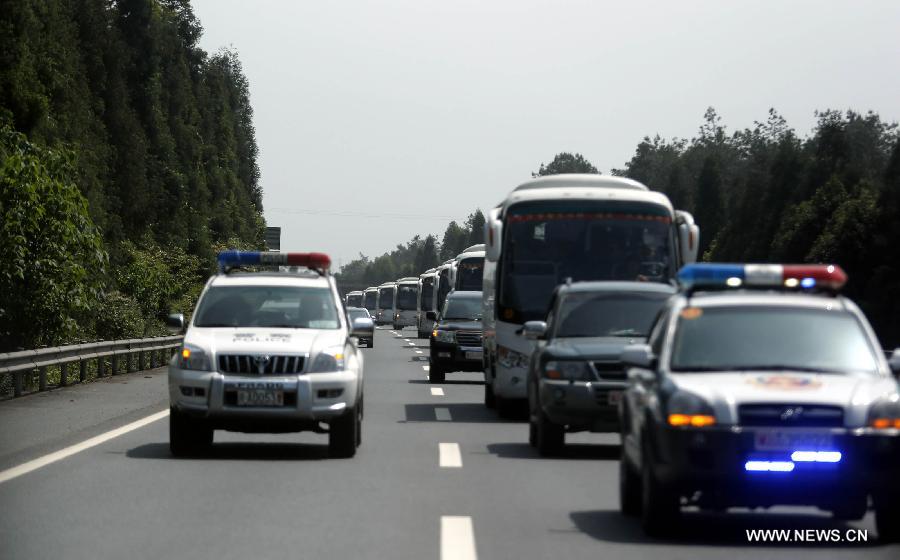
91	359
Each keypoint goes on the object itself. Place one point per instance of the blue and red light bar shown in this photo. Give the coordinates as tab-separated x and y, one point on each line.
314	261
790	276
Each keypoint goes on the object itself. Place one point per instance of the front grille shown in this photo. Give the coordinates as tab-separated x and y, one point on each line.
260	364
791	415
468	338
602	397
610	370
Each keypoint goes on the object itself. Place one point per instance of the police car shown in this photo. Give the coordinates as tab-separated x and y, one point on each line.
267	352
761	386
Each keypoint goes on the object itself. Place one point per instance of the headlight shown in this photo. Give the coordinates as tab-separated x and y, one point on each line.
510	358
885	413
568	370
193	358
688	409
328	360
445	336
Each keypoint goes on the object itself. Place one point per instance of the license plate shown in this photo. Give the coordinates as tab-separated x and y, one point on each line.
614	397
783	440
473	355
260	397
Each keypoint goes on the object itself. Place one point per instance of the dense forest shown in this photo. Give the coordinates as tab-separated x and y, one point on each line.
127	157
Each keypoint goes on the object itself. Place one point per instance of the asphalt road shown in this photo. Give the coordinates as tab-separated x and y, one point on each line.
280	496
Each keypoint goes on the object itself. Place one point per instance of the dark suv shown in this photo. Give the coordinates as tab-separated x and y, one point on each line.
456	339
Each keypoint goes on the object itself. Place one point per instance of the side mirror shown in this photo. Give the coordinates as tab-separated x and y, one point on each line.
638	356
688	236
431	315
362	327
894	362
175	323
493	233
534	330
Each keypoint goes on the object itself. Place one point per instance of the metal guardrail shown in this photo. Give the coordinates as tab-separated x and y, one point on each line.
150	353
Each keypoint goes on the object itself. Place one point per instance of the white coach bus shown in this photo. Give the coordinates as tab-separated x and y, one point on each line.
559	227
467	270
425	302
405	303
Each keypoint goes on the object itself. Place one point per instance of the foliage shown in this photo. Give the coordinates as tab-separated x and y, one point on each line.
564	162
52	254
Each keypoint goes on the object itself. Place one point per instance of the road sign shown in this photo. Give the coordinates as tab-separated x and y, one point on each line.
273	238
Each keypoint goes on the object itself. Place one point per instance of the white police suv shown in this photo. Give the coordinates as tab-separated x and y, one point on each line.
761	386
267	352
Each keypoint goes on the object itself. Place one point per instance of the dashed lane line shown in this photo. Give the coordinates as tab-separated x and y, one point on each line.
437	392
442	414
51	458
457	538
425	368
449	456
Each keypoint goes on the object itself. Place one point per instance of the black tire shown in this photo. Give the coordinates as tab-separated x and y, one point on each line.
436	373
489	400
188	436
660	505
550	438
343	436
887	516
629	487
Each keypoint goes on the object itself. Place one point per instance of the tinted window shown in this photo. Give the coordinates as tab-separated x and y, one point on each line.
354	300
462	308
734	338
427	293
406	296
386	298
371	300
470	274
609	314
443	287
267	306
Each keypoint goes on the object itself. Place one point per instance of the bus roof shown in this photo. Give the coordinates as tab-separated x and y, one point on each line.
586	187
388	284
408	279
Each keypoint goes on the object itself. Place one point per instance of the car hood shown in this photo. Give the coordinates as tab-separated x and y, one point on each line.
263	341
855	393
591	348
460	326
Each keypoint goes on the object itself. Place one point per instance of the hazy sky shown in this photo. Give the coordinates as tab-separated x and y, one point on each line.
377	121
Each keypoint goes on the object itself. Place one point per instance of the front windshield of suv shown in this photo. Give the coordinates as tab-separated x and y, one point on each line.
386	298
406	296
465	308
627	314
358	314
770	338
289	307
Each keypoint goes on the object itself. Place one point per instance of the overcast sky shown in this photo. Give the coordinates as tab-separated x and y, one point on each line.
377	121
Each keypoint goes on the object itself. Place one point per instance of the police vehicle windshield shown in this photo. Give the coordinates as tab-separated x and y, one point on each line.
462	308
406	296
267	306
608	314
770	338
547	242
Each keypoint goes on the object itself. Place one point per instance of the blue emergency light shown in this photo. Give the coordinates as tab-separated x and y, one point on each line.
723	275
232	258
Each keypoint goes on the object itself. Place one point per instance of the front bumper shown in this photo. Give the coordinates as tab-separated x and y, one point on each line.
405	319
509	382
712	461
309	398
581	405
455	357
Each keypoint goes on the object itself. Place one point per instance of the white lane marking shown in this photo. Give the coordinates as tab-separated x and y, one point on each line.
442	414
450	457
418	351
425	368
457	538
35	464
412	343
437	392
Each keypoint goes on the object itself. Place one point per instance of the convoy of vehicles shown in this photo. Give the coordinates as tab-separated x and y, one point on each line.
575	376
354	299
568	227
405	306
760	386
425	302
267	352
384	308
455	343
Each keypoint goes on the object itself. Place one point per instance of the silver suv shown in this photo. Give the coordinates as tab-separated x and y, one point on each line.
267	352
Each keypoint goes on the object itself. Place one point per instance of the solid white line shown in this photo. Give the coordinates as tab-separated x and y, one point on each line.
437	392
450	457
35	464
442	414
425	368
457	538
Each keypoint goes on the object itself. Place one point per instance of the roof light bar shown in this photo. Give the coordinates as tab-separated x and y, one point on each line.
721	276
816	456
769	466
315	261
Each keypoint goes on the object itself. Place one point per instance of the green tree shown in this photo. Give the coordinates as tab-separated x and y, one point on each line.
564	162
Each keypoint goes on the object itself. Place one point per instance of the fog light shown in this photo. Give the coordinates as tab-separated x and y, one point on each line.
329	393
514	380
187	391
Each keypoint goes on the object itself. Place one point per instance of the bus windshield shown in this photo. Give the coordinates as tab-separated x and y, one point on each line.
443	287
354	300
469	274
427	293
547	242
406	296
371	300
